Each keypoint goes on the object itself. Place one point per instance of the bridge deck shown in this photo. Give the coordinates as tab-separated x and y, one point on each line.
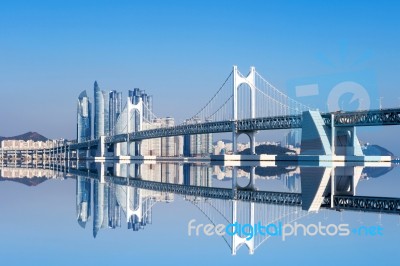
341	119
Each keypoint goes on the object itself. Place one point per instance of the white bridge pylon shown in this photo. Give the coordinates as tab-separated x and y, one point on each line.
238	80
128	122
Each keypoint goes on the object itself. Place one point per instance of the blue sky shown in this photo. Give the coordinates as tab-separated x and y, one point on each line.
52	50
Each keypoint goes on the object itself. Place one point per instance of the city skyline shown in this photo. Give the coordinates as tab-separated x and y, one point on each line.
279	50
199	132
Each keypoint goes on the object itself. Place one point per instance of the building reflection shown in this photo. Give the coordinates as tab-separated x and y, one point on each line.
108	193
114	202
130	191
83	197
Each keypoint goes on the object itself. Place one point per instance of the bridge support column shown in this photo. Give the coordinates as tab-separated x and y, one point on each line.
252	180
135	170
333	186
314	187
138	148
117	169
252	137
117	149
315	136
128	147
346	179
101	172
346	142
101	147
319	139
234	177
234	139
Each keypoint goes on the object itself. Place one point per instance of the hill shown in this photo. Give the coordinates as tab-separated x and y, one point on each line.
268	149
376	150
30	182
26	136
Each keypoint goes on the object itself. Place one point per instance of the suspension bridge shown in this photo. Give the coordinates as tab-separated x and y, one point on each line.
243	104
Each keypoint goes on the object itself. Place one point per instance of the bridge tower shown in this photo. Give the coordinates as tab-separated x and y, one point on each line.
238	80
238	239
132	109
133	194
127	117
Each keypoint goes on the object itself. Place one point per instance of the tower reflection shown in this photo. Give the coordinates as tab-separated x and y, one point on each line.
131	190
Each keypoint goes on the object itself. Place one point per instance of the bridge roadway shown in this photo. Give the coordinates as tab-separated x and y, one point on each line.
341	119
355	203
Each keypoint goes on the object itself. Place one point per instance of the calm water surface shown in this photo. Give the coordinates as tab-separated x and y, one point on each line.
118	213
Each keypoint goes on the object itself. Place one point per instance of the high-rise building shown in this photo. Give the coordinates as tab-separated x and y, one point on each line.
293	138
292	181
168	143
197	175
149	107
115	109
135	95
106	113
197	145
166	146
147	100
84	113
101	112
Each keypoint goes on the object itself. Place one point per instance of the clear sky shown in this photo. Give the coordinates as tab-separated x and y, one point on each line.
181	51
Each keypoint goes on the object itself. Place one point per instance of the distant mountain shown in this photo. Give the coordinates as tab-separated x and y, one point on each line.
267	171
376	150
268	149
375	172
27	136
30	182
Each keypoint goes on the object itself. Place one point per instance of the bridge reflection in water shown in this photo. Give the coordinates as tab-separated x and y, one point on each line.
223	194
133	189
